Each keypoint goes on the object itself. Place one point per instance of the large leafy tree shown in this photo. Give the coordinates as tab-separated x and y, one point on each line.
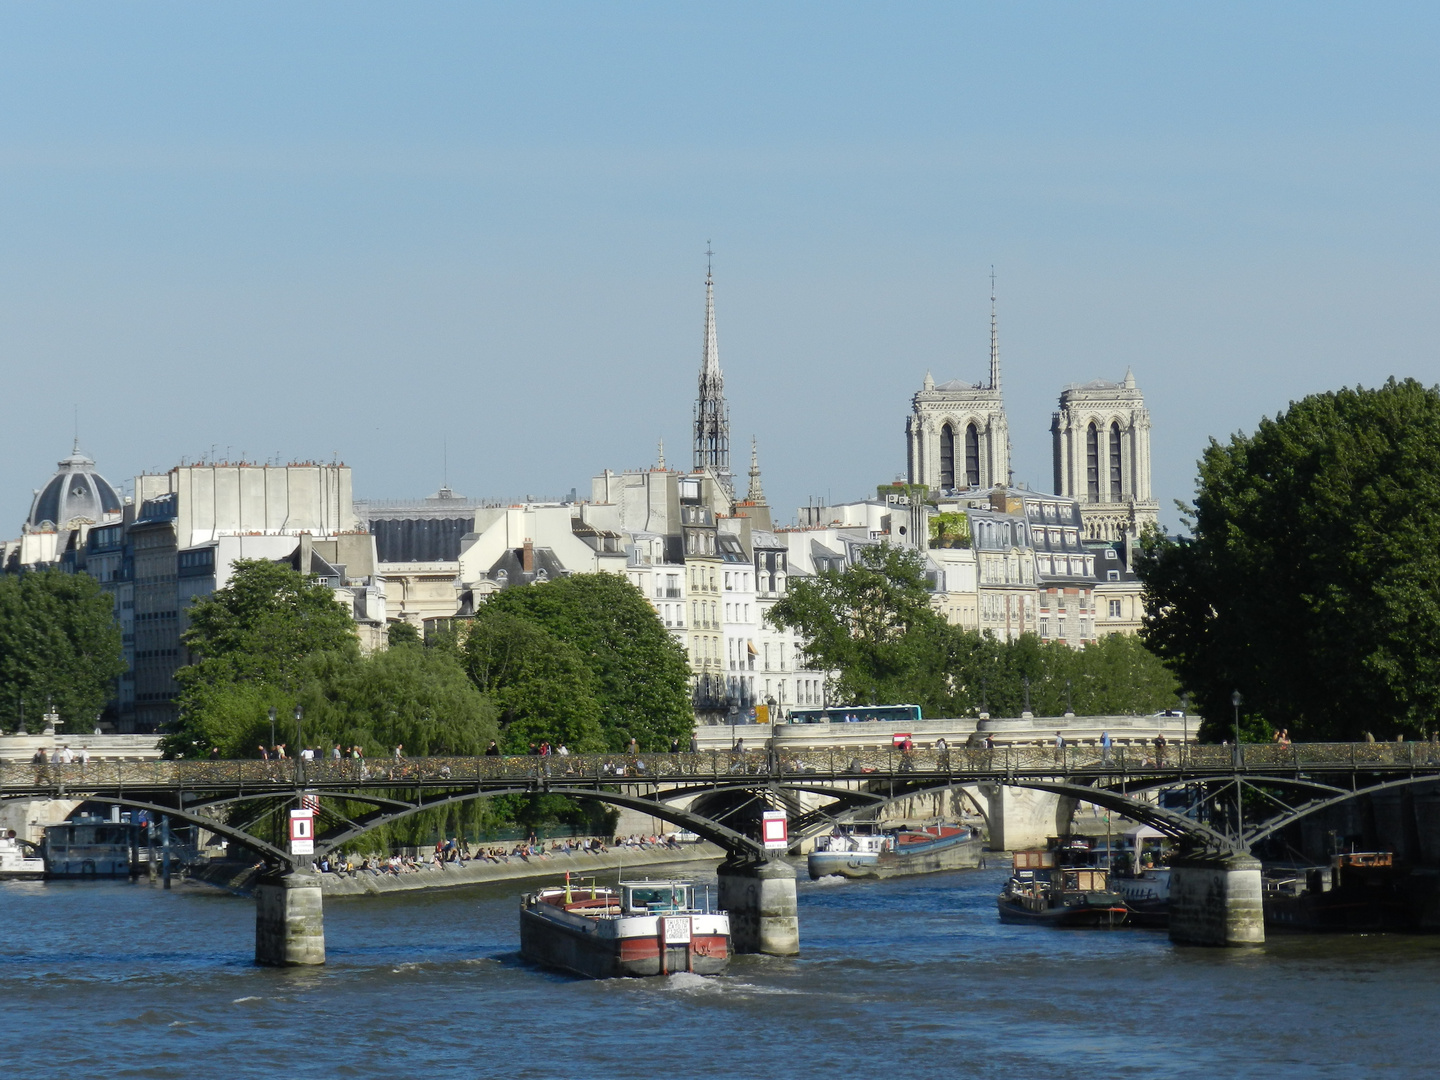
59	645
1311	580
541	686
873	624
254	642
641	678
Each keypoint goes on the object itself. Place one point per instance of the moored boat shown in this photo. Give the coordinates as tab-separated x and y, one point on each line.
854	853
1041	893
640	928
1360	891
1141	879
17	861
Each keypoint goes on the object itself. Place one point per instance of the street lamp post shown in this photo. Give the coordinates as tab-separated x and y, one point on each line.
1239	760
272	728
300	745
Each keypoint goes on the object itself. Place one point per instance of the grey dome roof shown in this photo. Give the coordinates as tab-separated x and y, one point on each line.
75	492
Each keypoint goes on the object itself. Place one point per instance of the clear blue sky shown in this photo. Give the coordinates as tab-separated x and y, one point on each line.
364	230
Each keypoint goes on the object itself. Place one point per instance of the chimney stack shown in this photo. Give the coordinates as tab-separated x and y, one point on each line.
527	557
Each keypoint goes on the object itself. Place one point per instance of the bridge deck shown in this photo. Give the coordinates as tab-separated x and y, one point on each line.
709	768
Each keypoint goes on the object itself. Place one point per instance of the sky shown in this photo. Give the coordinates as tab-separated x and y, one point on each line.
465	241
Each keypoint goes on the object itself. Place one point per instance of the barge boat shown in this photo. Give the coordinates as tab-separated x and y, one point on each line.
853	853
640	928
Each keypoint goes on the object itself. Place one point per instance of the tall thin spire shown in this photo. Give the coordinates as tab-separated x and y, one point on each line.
994	338
712	416
756	494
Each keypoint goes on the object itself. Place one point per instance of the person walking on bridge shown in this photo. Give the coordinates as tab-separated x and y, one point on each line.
1105	747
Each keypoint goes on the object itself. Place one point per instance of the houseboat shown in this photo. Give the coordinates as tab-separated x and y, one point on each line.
863	852
1041	893
1141	879
640	928
89	847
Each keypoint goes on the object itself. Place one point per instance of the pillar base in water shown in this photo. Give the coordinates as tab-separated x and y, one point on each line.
1216	900
760	897
289	920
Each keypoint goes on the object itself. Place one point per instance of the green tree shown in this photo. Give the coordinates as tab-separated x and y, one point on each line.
873	624
641	678
541	686
59	645
254	642
1311	580
401	633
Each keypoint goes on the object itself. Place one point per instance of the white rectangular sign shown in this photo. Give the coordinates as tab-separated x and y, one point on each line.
302	832
677	929
775	829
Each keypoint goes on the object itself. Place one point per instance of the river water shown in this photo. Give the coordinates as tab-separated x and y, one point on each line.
913	977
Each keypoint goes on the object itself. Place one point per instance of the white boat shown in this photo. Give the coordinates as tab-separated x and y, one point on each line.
641	928
18	859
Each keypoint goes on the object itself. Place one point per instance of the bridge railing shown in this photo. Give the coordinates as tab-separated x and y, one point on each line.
1013	759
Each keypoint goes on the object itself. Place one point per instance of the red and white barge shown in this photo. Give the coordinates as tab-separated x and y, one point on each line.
640	928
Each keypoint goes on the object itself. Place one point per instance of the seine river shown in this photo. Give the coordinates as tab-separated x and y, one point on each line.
914	977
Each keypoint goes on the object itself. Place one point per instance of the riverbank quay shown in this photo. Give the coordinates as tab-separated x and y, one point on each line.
241	878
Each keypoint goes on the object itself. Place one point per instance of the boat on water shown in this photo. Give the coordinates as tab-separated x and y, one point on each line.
640	928
863	852
1141	879
18	860
1043	894
1360	891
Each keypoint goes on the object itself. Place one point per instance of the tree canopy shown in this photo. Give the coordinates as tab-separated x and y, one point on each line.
641	680
59	645
873	625
541	686
1311	579
264	623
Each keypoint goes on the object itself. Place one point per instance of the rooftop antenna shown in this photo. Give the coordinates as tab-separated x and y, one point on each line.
661	464
445	461
708	255
76	408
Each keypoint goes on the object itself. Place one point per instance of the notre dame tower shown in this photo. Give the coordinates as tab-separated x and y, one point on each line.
1102	457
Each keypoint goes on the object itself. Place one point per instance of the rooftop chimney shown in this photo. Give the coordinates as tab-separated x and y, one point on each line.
527	557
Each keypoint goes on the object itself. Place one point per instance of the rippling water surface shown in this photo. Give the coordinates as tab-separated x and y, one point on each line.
914	977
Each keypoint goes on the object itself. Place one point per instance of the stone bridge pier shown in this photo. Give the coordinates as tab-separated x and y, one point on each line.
1215	899
289	920
1022	818
760	897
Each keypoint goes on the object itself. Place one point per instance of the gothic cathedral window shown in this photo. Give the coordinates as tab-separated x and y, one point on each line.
947	457
972	456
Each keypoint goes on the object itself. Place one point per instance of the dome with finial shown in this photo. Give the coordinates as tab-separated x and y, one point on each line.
75	493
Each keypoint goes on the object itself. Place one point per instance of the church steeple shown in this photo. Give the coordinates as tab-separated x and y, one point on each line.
712	416
756	494
994	339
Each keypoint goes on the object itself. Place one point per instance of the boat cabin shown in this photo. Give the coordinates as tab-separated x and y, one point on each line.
656	897
1082	879
91	847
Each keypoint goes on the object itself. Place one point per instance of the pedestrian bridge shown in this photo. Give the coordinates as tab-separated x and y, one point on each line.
1248	792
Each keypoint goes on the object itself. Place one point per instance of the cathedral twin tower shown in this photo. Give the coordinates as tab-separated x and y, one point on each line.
958	440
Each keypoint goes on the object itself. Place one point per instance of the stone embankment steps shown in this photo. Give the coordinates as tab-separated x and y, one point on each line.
237	879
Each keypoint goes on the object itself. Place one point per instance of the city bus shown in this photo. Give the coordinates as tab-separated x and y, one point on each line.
840	714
